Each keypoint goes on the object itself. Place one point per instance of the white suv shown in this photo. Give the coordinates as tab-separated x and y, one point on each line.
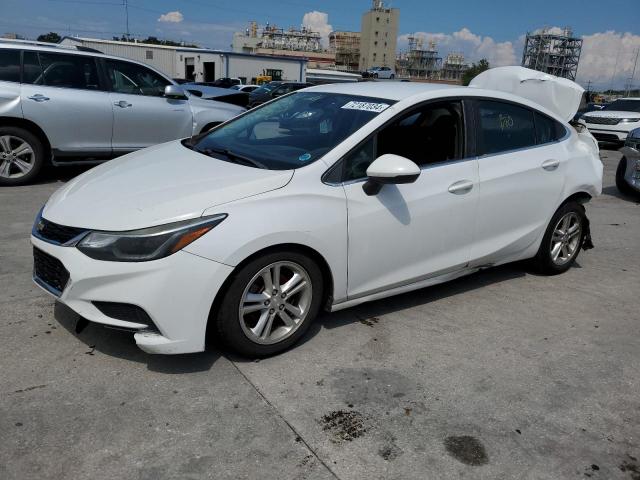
68	105
614	122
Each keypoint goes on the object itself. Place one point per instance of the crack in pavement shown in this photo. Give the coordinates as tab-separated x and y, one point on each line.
291	427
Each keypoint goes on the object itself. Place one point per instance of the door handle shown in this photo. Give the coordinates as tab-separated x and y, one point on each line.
550	165
123	104
39	98
461	187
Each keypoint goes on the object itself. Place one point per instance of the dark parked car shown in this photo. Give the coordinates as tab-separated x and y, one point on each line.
272	90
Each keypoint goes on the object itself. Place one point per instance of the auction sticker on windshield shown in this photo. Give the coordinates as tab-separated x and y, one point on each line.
366	106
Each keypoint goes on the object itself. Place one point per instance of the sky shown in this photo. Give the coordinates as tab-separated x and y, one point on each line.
492	29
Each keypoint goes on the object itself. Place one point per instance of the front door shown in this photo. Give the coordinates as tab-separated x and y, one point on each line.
142	116
62	94
411	232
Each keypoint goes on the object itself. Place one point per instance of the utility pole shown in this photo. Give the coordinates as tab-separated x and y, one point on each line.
613	76
126	12
633	73
589	91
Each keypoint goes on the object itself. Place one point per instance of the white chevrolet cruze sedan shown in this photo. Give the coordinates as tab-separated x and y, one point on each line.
322	199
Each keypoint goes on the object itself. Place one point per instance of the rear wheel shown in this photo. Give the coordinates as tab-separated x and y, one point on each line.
21	156
621	182
392	76
562	241
270	304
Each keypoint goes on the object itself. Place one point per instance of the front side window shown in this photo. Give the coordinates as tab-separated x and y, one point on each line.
60	70
428	135
547	129
9	65
292	131
504	127
133	79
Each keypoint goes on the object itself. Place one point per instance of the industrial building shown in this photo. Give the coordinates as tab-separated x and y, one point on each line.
275	41
199	64
419	62
453	67
379	36
346	47
554	53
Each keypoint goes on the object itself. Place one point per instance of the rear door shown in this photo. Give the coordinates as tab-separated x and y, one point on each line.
63	95
521	171
142	115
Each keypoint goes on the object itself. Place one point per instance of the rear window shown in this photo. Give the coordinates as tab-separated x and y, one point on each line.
10	65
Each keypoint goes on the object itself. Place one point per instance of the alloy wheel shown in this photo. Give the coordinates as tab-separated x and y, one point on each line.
17	157
275	303
565	240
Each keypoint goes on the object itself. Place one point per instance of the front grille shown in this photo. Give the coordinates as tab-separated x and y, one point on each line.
605	137
49	272
54	233
601	120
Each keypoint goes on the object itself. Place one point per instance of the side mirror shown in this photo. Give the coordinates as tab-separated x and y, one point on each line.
277	93
389	169
175	92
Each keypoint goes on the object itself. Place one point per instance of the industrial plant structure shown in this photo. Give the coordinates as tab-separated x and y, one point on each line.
418	61
552	52
346	47
292	42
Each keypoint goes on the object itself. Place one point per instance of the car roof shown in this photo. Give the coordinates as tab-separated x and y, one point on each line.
387	90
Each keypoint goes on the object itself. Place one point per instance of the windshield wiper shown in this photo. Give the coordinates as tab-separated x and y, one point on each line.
234	157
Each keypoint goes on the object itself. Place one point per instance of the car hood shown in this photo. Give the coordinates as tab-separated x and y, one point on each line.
612	114
154	186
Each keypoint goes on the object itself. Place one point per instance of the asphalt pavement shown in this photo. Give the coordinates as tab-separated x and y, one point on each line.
504	374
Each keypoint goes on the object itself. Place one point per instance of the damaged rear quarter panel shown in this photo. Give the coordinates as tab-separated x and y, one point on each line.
10	100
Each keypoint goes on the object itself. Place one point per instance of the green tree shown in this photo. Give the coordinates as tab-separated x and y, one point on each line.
51	37
475	70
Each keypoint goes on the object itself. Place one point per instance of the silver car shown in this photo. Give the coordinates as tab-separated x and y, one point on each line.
66	105
628	172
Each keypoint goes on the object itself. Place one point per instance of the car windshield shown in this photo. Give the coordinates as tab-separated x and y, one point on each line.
624	106
291	132
266	88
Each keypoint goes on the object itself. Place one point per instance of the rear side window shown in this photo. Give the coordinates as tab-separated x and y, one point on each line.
10	65
547	129
504	127
59	70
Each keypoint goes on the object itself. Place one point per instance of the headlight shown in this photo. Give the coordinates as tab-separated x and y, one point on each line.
148	243
630	120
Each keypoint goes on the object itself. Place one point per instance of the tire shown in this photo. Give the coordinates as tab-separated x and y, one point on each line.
375	75
240	332
544	261
621	183
24	167
392	77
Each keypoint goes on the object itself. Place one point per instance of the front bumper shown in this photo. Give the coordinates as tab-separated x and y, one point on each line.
632	174
176	292
610	133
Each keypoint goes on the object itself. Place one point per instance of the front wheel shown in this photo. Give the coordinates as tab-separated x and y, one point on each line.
563	240
270	304
392	76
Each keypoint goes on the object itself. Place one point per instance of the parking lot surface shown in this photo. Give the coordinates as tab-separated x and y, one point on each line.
503	374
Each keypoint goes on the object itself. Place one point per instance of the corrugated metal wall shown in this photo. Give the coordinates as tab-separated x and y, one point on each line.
163	59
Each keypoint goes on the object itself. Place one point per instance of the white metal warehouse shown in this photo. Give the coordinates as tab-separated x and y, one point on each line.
199	64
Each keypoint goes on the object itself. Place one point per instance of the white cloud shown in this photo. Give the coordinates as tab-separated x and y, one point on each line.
604	52
474	47
171	17
318	22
